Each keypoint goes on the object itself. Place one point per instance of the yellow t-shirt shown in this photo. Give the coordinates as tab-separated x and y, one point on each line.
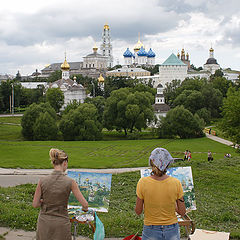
159	199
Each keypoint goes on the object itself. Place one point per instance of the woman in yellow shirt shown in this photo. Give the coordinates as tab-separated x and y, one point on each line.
161	196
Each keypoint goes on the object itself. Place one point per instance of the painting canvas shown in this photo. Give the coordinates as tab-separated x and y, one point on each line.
95	187
184	174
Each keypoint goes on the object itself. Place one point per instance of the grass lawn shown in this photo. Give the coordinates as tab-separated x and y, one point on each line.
216	184
105	154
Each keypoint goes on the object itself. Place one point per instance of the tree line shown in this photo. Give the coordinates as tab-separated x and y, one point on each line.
126	105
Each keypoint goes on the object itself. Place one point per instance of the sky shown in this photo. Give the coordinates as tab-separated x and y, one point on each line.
36	33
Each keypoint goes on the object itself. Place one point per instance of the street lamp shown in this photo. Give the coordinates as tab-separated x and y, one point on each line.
12	98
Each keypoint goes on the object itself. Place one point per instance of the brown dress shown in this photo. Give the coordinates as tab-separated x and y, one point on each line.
53	220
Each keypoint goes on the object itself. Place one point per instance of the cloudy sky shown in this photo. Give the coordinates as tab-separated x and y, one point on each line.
36	33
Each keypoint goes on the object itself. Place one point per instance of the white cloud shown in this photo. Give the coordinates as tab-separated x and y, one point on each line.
37	33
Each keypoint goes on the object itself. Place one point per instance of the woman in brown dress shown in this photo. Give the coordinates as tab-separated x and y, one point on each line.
52	195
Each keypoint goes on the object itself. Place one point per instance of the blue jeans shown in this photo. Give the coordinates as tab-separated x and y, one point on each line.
161	232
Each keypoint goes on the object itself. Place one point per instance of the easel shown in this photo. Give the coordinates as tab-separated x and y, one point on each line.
186	222
76	222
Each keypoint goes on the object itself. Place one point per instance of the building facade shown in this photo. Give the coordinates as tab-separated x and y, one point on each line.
128	72
173	68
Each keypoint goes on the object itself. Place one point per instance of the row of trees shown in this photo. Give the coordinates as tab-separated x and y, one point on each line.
126	109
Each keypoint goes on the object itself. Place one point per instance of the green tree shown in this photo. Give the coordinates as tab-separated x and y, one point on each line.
81	124
231	117
212	99
180	122
128	110
190	99
55	97
45	127
30	116
55	76
71	106
222	84
99	103
171	91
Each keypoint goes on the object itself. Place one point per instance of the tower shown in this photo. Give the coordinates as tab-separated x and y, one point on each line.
101	82
106	46
65	69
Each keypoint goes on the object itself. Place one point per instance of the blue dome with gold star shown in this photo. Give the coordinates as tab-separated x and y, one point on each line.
142	52
151	54
127	53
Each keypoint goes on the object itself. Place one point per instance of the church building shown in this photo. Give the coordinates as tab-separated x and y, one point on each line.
70	88
211	65
140	56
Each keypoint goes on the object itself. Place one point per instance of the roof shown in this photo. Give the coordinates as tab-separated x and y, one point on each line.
94	55
127	53
33	85
211	61
151	54
142	52
57	66
161	107
66	82
173	60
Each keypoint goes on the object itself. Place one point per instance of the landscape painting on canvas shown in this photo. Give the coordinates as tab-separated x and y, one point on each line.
95	187
184	174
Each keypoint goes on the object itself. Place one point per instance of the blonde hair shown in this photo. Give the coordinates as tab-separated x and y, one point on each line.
156	171
57	156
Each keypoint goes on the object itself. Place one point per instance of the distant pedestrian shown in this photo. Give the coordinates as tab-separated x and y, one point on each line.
189	156
186	155
210	157
210	130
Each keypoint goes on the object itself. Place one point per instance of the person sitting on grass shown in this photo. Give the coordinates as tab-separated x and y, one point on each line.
52	194
161	196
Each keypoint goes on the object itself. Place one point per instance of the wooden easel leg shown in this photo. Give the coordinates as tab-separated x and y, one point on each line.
187	232
75	231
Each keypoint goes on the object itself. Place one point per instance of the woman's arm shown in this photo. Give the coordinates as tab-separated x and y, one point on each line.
180	206
37	196
79	196
139	206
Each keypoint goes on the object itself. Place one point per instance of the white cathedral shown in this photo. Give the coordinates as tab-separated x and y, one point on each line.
140	56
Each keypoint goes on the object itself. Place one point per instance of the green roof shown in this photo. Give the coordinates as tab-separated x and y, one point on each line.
173	60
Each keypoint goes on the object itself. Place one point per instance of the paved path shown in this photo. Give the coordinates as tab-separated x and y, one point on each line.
12	177
218	139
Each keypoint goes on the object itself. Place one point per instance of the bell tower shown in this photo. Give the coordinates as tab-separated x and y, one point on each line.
106	46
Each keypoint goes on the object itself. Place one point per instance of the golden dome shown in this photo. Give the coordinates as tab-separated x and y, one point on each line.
211	49
65	65
183	52
138	45
106	26
95	48
101	78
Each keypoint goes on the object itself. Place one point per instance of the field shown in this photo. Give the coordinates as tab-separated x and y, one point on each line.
216	184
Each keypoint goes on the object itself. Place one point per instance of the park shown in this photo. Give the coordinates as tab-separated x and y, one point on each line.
216	183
